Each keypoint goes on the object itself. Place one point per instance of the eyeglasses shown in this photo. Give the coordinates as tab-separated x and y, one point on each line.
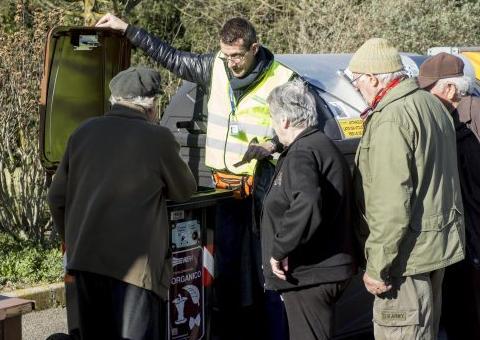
354	80
236	58
348	76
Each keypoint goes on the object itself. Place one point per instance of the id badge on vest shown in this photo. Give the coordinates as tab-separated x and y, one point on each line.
233	126
234	129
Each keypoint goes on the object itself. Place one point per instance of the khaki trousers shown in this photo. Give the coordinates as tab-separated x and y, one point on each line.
411	309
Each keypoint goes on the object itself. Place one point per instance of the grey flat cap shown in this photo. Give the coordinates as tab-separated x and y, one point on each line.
135	81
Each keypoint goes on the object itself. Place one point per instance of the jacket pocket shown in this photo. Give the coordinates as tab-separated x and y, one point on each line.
400	308
396	318
363	161
437	222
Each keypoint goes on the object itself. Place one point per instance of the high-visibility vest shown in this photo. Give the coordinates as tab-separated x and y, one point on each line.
231	125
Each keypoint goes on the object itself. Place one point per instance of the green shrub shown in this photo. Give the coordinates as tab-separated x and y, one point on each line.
285	26
322	26
25	264
23	211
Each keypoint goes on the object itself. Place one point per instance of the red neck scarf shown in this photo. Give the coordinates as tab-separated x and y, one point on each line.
379	97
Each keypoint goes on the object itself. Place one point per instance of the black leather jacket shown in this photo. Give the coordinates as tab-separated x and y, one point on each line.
193	67
189	66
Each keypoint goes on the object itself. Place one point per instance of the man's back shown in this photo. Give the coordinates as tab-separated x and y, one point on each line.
120	170
467	118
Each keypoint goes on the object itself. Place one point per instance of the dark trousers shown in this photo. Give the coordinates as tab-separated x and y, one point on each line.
461	302
244	311
233	285
310	310
110	309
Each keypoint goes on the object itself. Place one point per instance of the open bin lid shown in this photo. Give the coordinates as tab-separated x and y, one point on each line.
78	66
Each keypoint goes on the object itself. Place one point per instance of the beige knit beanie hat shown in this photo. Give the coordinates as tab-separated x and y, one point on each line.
376	56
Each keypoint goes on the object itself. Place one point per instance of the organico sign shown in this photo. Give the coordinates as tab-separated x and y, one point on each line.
186	303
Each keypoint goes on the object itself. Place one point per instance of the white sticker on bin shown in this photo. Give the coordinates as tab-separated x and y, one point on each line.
177	215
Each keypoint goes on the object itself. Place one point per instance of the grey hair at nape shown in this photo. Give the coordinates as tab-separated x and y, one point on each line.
294	101
386	78
145	102
463	84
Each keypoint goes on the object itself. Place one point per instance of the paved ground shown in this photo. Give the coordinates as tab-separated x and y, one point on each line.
39	325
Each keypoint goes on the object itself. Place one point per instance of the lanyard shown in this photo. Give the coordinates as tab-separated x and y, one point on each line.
232	98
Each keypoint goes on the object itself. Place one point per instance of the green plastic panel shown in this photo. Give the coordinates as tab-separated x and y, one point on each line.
83	61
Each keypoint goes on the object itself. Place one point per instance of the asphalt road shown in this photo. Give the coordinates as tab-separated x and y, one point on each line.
40	325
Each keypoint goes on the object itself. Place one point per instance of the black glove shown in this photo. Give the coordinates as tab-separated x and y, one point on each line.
256	151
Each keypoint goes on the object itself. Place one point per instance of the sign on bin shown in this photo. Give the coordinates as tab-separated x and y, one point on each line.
186	296
185	234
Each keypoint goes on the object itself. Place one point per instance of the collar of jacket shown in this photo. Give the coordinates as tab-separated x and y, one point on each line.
464	109
405	87
306	132
467	117
263	61
126	112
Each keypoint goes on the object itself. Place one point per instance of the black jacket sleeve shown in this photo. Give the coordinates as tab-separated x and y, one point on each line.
179	180
303	217
57	194
196	68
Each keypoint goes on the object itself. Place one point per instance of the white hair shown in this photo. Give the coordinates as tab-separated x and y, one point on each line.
463	84
294	101
385	78
145	102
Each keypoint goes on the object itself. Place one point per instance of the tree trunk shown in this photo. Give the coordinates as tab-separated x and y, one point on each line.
88	15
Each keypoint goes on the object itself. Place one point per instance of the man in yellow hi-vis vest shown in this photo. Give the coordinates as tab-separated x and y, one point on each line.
240	138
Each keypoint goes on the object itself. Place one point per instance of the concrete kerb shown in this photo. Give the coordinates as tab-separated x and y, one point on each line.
45	297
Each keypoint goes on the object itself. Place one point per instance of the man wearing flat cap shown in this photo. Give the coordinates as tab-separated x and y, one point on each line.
239	140
408	192
443	75
108	202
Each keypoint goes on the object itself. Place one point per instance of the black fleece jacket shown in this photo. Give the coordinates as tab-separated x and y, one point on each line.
307	214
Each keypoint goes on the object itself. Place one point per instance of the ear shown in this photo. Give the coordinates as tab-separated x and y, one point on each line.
151	114
284	122
373	80
255	47
451	92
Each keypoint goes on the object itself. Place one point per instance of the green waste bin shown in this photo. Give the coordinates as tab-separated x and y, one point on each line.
192	228
79	64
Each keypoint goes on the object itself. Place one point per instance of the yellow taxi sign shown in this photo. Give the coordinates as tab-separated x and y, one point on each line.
351	127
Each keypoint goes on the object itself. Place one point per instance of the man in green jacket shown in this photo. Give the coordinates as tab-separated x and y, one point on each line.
408	191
